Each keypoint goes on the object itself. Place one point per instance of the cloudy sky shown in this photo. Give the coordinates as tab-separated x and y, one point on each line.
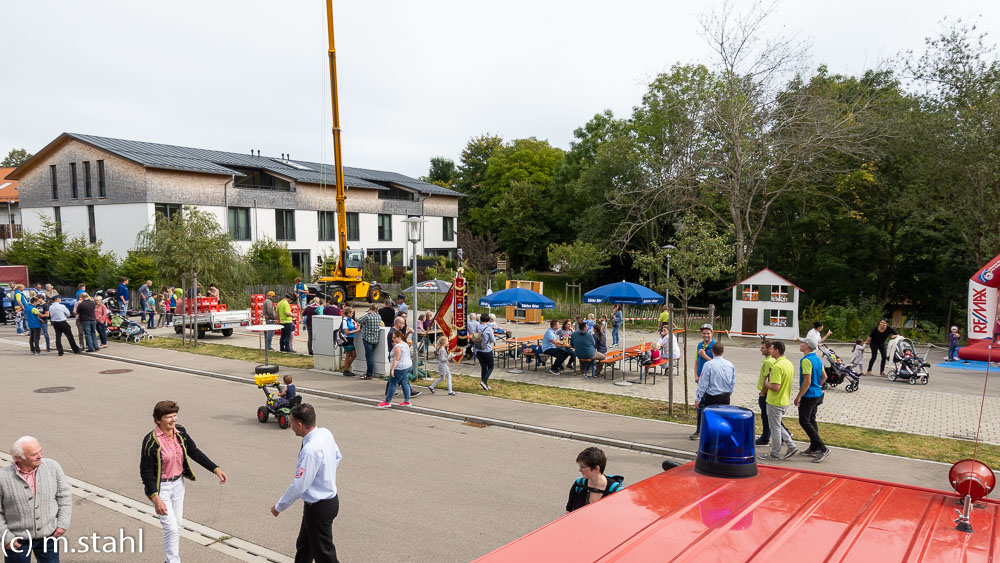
417	79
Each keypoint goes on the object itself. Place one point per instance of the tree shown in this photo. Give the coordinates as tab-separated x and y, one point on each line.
471	171
192	243
271	263
577	260
139	267
479	251
16	157
442	172
53	256
701	254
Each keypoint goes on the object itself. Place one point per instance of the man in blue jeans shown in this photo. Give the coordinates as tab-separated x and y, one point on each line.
370	325
123	297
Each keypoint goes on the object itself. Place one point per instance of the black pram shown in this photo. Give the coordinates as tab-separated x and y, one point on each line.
838	372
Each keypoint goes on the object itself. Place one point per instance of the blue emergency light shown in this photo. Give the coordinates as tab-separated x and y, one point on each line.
726	448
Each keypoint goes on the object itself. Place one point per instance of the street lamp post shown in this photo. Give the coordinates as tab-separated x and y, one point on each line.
414	224
670	332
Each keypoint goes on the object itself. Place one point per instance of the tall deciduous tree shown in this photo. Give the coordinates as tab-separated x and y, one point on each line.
193	242
16	157
442	172
577	260
471	172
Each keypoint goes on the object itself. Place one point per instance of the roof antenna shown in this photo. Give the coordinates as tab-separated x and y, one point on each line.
251	152
258	152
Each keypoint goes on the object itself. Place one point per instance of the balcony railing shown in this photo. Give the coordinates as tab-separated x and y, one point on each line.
6	230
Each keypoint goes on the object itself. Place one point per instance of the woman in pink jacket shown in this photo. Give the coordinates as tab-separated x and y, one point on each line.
102	313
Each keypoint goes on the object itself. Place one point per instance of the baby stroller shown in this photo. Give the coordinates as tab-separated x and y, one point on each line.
123	329
838	372
905	362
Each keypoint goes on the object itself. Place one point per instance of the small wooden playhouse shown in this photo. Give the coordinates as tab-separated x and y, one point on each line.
766	303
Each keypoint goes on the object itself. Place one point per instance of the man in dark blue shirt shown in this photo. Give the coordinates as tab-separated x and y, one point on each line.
123	296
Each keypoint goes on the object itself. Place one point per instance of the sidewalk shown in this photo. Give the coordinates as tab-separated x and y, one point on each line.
624	431
929	410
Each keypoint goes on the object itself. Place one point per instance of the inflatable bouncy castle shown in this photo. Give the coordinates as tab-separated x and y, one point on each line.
984	321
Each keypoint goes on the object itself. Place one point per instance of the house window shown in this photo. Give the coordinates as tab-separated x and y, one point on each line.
396	193
387	256
384	227
301	262
448	228
749	293
73	190
781	294
55	181
86	179
92	223
776	317
166	210
239	223
353	227
327	225
57	215
100	179
284	224
260	180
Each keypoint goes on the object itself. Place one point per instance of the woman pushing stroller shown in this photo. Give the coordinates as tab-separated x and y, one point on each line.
876	340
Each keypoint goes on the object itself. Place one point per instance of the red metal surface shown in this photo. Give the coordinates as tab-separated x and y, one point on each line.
782	514
16	274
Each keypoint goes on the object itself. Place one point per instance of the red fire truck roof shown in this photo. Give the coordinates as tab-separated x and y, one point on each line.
781	514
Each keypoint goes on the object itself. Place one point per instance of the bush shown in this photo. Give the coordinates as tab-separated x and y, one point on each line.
270	263
53	257
849	321
499	281
385	274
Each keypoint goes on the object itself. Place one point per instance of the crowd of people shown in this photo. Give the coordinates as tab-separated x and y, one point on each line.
35	309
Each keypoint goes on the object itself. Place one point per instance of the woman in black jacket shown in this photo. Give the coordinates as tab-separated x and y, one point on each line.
162	464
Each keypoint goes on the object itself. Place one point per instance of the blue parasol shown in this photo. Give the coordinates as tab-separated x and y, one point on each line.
517	297
624	293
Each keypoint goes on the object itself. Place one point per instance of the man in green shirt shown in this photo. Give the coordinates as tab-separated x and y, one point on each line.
664	317
779	390
287	322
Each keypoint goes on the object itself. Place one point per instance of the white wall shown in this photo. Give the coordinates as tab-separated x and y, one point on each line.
119	224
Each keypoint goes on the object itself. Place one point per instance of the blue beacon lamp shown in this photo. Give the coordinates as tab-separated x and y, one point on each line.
726	448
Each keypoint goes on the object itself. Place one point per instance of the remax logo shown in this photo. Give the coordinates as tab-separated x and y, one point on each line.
987	274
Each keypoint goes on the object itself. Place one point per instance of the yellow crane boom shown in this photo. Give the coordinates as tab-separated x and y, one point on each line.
345	280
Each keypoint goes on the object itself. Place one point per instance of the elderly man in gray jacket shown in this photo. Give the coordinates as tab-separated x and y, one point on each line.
35	504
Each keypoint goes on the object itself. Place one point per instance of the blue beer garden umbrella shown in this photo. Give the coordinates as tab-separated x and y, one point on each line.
519	298
624	293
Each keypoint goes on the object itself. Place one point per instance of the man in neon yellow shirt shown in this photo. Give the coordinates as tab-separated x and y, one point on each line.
779	392
287	322
664	317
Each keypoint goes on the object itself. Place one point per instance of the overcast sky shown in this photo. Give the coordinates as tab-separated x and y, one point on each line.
417	79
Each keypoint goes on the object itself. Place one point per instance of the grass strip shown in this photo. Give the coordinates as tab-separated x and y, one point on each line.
947	450
230	352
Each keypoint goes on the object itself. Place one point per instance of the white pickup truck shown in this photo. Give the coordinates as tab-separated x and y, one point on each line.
221	321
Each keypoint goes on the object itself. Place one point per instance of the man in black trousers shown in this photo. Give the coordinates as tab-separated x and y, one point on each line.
315	483
58	313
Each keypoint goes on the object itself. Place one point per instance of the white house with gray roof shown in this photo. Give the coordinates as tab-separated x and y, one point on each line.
111	189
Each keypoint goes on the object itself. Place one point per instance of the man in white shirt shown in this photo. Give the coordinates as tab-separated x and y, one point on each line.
315	483
715	386
58	313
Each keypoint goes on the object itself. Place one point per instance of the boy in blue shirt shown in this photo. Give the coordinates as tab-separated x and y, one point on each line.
285	395
31	315
704	349
812	376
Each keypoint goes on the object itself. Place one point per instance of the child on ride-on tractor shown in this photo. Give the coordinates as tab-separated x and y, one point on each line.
284	396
